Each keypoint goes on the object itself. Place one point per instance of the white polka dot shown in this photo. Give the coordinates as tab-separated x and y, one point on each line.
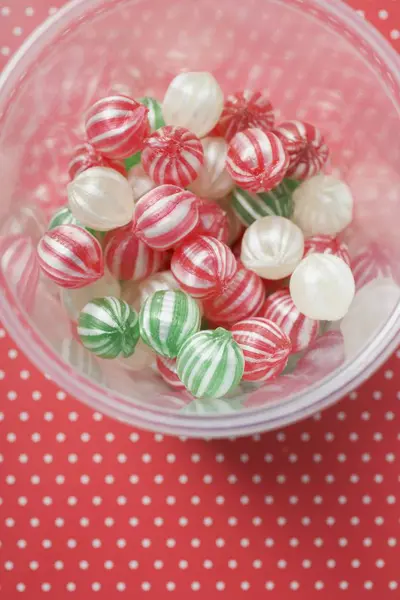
8	565
20	587
108	564
46	587
12	354
59	565
393	585
146	586
220	585
395	34
170	586
5	11
195	586
96	586
368	585
383	14
71	587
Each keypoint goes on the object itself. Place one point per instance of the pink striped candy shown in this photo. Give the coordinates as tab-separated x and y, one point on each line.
20	267
306	147
70	256
324	356
173	155
370	264
203	266
167	369
265	347
243	298
128	258
213	220
85	157
280	308
244	110
257	160
326	244
117	126
165	216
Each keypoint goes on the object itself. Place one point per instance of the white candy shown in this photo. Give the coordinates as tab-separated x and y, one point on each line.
322	287
272	247
368	312
75	300
140	182
213	181
322	205
101	198
195	101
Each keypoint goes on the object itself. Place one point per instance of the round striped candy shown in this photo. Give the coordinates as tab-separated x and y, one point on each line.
167	320
327	244
203	266
167	369
210	364
272	247
265	347
306	147
257	160
243	298
85	157
101	198
63	216
173	155
280	308
213	180
213	220
165	216
117	126
249	207
244	110
20	266
371	263
109	327
128	257
70	256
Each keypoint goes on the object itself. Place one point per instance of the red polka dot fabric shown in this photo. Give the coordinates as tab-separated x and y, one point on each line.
90	508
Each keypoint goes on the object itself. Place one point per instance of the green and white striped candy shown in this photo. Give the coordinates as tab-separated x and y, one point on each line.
156	121
63	216
109	327
210	364
250	207
167	319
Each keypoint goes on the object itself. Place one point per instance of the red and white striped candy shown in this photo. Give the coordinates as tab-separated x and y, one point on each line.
280	308
203	266
326	244
213	220
167	369
20	267
70	256
370	264
165	216
117	126
85	157
265	346
243	110
306	147
243	298
128	258
257	160
173	155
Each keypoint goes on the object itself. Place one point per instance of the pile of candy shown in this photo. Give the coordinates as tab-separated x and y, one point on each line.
184	221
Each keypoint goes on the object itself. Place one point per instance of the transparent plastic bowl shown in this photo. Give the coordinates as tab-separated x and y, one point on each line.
321	63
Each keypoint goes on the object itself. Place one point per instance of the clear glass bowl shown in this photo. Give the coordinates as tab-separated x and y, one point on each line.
321	63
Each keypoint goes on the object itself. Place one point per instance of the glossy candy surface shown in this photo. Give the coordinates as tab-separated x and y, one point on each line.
101	198
128	257
323	205
193	100
244	110
249	206
265	347
322	287
257	161
213	180
167	369
85	157
158	282
173	155
165	216
272	247
327	244
70	256
213	220
140	182
306	147
109	328
210	364
167	320
280	308
117	126
155	117
243	298
203	266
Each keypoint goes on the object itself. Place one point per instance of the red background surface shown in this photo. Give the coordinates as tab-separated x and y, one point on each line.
90	508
